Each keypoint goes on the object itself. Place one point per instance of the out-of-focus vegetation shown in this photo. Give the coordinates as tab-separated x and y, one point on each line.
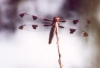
10	9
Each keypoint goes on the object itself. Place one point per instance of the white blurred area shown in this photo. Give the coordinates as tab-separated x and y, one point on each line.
27	49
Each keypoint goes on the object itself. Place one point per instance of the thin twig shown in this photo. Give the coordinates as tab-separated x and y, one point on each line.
59	61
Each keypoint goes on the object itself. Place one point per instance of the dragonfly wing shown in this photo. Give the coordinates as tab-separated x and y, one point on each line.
31	17
74	30
28	17
34	27
77	22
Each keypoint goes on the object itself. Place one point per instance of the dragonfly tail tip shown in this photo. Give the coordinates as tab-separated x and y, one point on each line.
49	42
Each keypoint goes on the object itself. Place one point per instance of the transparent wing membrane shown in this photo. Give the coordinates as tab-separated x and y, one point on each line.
75	27
27	16
80	22
65	26
34	27
77	31
46	28
73	31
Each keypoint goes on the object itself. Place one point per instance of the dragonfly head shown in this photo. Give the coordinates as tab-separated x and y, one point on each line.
56	19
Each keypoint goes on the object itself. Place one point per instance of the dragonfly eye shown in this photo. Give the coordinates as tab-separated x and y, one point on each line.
57	19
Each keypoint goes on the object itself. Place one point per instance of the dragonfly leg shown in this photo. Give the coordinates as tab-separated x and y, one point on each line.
47	25
45	19
62	21
61	26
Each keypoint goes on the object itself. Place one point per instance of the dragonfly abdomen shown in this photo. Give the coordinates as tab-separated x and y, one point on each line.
52	33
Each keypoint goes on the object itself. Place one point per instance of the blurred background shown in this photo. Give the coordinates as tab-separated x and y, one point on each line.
29	49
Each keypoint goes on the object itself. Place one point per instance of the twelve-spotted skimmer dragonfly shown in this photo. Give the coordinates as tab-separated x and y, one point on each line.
54	25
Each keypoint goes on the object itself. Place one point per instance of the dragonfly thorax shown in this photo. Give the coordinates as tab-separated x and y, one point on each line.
56	19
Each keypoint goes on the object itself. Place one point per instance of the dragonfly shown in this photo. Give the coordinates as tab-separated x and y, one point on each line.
55	25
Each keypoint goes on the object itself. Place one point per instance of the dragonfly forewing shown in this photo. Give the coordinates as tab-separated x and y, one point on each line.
31	17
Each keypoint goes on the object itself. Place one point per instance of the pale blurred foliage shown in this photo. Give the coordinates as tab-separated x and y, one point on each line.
91	9
87	9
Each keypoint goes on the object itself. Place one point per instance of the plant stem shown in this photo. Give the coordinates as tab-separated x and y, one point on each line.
59	61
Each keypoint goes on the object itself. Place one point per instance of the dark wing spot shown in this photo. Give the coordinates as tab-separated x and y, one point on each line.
34	17
34	26
72	30
22	14
21	27
85	34
88	22
75	21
